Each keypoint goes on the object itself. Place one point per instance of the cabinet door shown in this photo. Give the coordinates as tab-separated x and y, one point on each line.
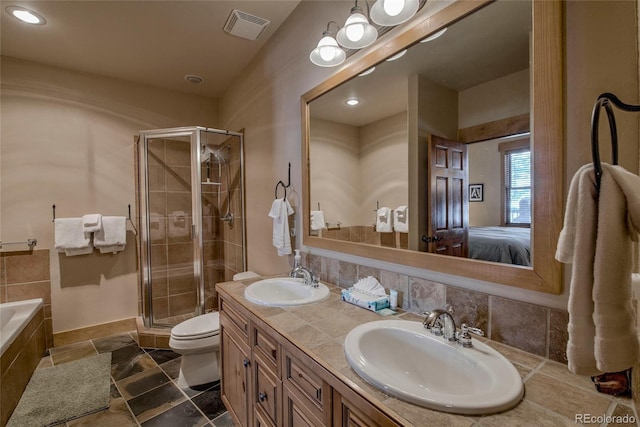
301	376
267	390
235	375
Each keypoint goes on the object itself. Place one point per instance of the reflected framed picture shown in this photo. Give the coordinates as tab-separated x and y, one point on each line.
476	192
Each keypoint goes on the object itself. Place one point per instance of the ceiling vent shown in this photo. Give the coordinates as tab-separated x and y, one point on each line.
244	25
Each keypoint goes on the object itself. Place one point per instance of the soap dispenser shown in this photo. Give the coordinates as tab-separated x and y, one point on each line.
296	259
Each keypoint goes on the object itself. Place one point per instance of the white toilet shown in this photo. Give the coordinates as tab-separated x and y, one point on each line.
198	341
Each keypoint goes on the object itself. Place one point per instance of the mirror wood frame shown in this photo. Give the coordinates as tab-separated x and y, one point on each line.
547	134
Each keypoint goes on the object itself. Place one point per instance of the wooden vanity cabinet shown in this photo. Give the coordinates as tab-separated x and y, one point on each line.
269	382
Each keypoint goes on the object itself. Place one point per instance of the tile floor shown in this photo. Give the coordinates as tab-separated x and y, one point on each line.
144	389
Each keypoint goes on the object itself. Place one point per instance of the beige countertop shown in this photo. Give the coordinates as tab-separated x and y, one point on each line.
553	395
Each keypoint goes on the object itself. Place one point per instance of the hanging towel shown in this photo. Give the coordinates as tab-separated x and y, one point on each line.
113	236
70	235
317	220
384	222
280	211
179	227
79	251
596	239
91	222
401	219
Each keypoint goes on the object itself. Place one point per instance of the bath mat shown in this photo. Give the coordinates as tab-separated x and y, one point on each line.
64	392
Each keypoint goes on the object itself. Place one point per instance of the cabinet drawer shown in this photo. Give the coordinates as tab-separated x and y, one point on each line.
309	385
266	346
236	317
267	393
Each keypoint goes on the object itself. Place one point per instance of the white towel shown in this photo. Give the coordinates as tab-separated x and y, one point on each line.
401	219
280	211
91	222
596	239
70	235
79	251
384	222
113	236
178	224
317	220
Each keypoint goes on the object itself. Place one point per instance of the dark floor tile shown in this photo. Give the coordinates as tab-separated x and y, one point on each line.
224	420
115	393
156	401
172	368
196	390
113	342
129	360
210	403
161	356
142	382
183	415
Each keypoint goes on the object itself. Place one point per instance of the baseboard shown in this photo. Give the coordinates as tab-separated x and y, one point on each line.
96	331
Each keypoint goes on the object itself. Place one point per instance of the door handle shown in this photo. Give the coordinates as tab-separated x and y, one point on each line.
431	239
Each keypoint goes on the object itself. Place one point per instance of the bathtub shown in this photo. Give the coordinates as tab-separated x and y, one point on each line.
14	317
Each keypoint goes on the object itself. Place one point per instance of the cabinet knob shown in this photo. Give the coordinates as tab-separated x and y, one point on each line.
245	362
262	396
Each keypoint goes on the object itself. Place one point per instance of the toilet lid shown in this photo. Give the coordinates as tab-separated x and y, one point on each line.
198	327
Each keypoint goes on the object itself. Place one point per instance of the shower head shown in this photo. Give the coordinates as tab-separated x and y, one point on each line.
221	154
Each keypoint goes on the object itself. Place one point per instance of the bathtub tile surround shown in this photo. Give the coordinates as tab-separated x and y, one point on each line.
25	275
144	391
533	328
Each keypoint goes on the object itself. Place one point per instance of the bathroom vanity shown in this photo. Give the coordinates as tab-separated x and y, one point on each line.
286	366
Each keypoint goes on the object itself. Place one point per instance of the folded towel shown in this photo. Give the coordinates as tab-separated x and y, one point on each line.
112	249
70	235
596	238
280	211
401	219
79	251
113	233
91	222
317	220
178	225
384	223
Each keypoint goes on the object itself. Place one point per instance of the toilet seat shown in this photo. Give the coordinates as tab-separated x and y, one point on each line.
199	327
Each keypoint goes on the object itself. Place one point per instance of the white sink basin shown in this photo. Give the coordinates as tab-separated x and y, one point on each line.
284	291
405	360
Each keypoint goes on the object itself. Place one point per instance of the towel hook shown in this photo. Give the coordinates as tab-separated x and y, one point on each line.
605	100
284	186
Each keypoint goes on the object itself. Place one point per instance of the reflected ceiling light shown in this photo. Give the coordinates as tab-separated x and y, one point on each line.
367	72
352	102
357	32
393	12
328	53
434	36
26	15
397	55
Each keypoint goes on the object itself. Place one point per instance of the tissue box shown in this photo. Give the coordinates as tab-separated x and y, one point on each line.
365	300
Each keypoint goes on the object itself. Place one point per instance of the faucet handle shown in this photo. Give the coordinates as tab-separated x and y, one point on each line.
475	331
464	337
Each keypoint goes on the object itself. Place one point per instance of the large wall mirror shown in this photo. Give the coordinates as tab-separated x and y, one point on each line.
451	160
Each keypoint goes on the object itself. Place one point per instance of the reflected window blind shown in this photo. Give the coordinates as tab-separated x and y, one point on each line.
517	191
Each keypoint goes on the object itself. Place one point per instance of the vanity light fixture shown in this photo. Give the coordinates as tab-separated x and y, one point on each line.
26	15
433	36
393	12
352	102
328	53
397	55
357	32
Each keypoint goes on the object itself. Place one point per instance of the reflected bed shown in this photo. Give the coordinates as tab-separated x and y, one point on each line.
510	245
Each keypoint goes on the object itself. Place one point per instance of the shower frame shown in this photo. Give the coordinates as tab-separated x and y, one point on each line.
195	140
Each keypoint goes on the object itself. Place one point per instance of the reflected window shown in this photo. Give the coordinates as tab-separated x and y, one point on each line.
516	183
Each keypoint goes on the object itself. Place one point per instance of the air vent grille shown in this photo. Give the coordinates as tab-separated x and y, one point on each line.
245	25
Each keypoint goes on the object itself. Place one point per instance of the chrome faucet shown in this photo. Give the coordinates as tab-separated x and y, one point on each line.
309	278
432	322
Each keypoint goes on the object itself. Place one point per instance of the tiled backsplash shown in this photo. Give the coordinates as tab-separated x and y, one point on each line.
533	328
25	275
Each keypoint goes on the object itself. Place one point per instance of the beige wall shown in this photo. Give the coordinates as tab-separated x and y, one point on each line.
67	139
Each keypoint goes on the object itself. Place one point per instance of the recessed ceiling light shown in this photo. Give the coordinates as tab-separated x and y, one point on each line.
193	78
397	55
367	72
26	15
352	102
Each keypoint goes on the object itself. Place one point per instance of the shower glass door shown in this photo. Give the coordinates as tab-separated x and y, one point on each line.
171	254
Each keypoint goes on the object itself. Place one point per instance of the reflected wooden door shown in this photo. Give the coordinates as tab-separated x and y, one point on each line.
448	227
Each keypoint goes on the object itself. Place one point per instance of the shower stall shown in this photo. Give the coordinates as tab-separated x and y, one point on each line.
190	194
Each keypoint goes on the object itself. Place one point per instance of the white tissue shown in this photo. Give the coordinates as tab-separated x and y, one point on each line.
370	286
